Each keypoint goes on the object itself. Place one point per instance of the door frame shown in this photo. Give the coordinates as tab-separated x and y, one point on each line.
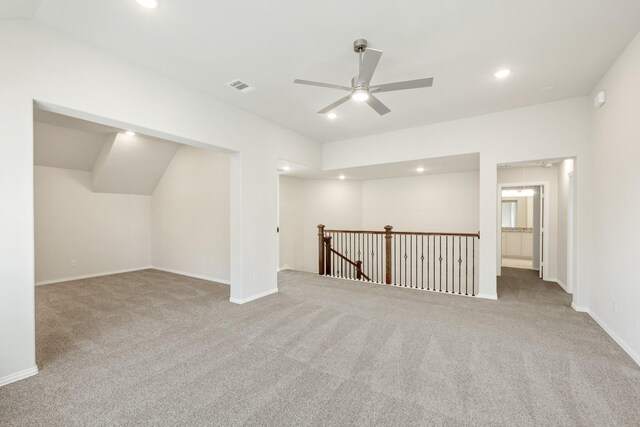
544	244
571	231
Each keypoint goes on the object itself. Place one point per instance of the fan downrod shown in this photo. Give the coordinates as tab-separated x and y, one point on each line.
360	45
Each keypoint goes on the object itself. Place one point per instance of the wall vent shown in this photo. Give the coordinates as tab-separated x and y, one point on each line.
241	86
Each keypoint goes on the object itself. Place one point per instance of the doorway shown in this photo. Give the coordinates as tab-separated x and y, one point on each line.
519	234
522	217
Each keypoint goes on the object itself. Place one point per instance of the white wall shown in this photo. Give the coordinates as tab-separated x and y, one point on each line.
39	63
306	203
614	229
291	207
515	175
547	131
190	215
101	232
183	227
443	202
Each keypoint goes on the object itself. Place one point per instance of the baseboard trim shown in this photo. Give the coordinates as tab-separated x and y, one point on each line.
195	276
254	297
579	308
617	338
109	273
12	378
562	285
487	296
89	276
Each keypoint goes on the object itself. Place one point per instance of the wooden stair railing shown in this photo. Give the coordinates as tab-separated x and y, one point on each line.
444	262
329	250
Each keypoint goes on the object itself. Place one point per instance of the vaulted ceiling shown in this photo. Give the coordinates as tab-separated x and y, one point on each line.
119	163
556	49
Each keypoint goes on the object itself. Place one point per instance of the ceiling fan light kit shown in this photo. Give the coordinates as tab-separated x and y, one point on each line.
361	89
360	95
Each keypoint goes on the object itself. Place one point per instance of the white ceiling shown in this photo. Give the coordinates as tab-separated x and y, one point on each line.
556	49
435	165
18	9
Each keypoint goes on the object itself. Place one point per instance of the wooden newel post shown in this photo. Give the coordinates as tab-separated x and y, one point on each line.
327	256
387	240
359	270
321	249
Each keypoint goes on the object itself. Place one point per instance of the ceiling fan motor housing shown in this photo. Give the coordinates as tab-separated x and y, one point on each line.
360	45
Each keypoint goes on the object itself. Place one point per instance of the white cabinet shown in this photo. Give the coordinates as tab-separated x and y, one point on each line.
527	245
514	244
517	244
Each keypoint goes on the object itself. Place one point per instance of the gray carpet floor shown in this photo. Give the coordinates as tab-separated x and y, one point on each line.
154	348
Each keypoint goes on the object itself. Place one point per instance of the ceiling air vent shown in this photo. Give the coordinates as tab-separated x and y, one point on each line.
241	86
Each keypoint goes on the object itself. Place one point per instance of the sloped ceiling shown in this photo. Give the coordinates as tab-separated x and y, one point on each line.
118	163
131	164
62	147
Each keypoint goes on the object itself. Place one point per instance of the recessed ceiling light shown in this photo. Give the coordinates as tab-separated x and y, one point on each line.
341	177
286	168
502	74
420	169
360	95
149	4
332	116
130	133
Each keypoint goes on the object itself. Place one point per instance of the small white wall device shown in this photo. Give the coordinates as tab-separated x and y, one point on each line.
600	99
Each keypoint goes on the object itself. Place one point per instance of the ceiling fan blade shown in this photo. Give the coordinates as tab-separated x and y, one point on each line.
409	84
320	84
370	59
377	105
334	105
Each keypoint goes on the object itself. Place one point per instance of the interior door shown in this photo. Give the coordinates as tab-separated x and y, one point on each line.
535	235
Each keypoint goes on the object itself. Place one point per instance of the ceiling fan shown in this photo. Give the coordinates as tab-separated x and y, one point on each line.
361	89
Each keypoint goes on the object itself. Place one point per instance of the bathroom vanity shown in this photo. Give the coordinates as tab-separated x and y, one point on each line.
517	242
